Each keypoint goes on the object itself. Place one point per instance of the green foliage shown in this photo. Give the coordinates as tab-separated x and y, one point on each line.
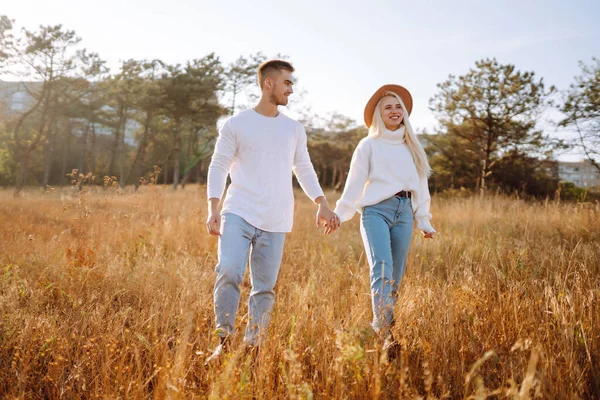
150	113
493	108
7	165
240	74
452	162
170	111
582	110
60	69
331	148
6	40
517	172
568	191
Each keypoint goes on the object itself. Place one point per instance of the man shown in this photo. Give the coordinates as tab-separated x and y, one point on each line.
258	148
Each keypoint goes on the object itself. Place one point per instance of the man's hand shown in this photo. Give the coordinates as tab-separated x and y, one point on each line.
326	217
213	222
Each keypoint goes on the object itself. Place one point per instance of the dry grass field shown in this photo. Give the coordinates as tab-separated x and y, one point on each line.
108	295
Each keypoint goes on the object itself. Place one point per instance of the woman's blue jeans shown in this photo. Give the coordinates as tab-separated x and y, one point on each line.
386	230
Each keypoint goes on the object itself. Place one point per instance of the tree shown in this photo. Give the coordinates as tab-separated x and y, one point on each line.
201	124
93	102
240	74
77	101
120	97
189	91
582	109
6	40
452	162
53	58
494	108
331	147
516	172
148	98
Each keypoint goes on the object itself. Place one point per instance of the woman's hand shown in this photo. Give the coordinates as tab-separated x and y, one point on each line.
428	235
326	217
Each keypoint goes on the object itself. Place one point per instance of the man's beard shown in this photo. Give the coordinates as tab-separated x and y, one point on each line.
279	101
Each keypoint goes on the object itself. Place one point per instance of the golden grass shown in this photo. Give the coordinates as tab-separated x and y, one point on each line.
104	295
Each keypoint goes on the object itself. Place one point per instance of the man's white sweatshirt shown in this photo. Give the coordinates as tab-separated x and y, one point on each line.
260	153
381	167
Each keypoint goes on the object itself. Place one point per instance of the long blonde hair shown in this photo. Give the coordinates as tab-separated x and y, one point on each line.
414	146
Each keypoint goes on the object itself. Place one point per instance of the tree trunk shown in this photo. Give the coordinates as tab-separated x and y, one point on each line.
142	158
27	149
47	165
138	162
24	162
92	152
482	177
186	176
199	168
333	176
113	153
49	146
341	177
83	155
121	149
64	158
166	174
115	147
177	154
191	162
22	172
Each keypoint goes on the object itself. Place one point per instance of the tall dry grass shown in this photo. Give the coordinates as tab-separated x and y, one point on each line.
107	295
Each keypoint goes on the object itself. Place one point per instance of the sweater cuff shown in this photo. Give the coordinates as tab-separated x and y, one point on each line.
315	193
344	211
214	192
424	224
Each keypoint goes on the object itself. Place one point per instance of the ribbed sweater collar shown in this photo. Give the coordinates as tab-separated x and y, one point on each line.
394	137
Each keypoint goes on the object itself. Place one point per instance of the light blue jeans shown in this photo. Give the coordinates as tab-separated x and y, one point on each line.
386	230
239	239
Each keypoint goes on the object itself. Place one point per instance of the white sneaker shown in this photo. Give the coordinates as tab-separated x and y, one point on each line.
222	348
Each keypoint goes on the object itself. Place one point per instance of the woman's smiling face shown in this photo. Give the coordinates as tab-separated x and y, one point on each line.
391	112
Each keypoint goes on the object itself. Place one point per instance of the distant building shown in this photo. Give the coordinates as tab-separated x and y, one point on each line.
15	97
581	173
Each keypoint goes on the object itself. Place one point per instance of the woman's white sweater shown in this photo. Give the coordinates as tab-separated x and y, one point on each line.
381	167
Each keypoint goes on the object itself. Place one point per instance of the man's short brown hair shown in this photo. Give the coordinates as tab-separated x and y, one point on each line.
267	68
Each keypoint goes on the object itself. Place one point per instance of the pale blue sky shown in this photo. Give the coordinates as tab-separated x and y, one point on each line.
342	51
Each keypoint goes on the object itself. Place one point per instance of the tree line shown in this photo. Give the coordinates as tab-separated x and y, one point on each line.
151	117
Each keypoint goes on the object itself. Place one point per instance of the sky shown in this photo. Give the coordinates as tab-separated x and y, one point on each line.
342	51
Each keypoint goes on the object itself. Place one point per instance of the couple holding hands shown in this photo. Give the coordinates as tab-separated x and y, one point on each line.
259	148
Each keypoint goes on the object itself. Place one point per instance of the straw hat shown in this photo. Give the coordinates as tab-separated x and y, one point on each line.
372	103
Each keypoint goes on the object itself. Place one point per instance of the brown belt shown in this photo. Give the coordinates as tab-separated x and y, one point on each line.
403	193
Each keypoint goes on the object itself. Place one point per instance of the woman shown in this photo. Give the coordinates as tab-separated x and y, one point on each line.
387	184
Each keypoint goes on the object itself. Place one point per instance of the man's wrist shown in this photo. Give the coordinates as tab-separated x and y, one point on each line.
213	205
